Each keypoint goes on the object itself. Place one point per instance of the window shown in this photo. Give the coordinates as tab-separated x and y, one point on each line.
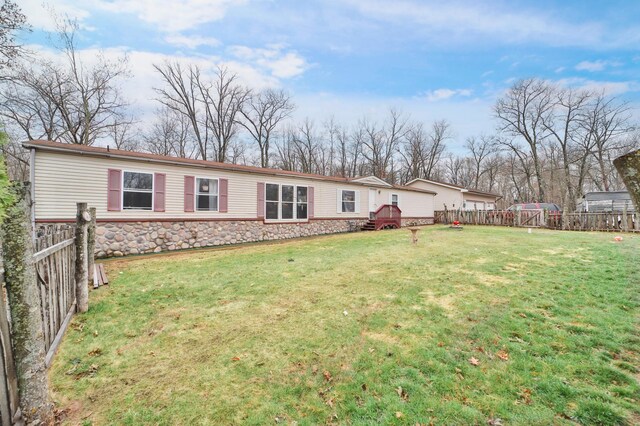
273	201
206	194
137	191
394	199
301	209
348	201
285	202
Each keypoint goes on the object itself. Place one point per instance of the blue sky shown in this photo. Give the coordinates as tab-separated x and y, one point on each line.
352	58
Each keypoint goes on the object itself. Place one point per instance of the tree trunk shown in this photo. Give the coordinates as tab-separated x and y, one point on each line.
26	310
82	278
629	168
91	244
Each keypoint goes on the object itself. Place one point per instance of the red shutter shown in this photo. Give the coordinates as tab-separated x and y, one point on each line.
260	200
114	191
159	191
189	187
223	188
310	202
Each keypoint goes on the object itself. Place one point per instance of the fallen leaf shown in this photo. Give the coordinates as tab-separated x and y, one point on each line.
326	375
522	314
402	393
235	358
440	344
494	422
314	370
474	361
525	396
503	355
364	387
398	414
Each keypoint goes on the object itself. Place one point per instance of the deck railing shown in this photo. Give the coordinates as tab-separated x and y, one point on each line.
388	216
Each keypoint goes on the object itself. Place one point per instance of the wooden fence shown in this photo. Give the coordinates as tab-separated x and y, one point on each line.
9	397
539	218
55	270
54	262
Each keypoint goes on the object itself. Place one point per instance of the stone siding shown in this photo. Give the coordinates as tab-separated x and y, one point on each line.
123	238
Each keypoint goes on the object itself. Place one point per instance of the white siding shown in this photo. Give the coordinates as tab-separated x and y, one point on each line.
449	197
62	180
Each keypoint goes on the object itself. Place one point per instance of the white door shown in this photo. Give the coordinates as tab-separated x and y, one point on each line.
373	206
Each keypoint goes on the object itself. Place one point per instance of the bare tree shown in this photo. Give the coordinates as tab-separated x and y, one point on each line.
479	149
263	112
520	113
170	134
380	143
12	20
608	121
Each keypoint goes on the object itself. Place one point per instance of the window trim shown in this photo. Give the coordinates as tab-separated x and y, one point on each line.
397	199
355	200
295	202
195	193
153	187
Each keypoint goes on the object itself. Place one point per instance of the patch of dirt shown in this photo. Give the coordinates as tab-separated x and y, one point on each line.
447	301
489	280
381	337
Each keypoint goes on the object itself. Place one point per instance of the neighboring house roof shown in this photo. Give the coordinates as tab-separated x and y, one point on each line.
75	149
607	195
457	187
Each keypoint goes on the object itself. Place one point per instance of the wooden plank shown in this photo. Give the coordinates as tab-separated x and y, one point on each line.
105	279
96	276
56	342
46	252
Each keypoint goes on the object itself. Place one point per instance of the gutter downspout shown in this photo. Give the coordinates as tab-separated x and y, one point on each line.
32	178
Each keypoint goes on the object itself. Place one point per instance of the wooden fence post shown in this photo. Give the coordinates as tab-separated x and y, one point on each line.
26	310
91	245
82	278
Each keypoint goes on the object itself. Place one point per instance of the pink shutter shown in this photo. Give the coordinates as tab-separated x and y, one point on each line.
223	188
189	187
159	191
260	200
310	202
114	190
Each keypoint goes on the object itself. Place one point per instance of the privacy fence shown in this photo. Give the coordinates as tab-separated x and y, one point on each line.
41	276
538	218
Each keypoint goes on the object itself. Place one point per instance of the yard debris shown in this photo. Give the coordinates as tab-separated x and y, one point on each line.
345	313
474	361
525	396
494	422
235	358
95	352
364	387
399	414
618	238
327	375
402	393
503	355
522	314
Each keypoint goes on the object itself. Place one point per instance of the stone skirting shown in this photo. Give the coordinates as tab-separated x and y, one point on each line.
124	238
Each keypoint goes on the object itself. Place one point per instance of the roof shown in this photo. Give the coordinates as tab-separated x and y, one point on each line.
607	195
452	186
75	149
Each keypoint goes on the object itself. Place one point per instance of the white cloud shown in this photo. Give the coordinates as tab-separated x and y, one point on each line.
443	94
39	12
460	21
273	58
192	41
608	87
595	66
172	16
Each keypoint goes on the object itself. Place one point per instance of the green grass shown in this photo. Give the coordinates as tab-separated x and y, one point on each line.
364	329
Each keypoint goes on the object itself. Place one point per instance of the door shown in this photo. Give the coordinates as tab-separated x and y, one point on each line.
373	206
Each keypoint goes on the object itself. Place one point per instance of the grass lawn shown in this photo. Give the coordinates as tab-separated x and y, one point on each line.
484	326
